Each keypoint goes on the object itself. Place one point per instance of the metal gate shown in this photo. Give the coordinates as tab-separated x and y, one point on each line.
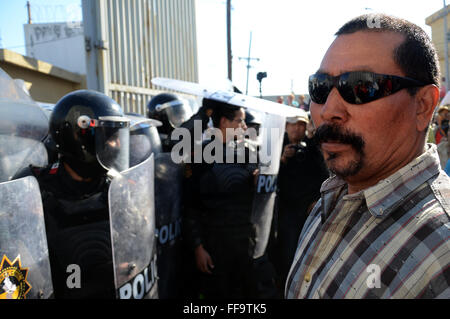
130	42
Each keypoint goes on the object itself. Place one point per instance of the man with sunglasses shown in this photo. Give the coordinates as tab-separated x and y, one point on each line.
381	227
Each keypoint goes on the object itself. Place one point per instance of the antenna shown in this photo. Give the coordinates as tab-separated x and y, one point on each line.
29	12
248	58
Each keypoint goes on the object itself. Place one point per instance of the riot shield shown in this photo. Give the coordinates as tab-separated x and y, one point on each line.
271	137
25	266
233	98
168	192
17	153
132	222
23	125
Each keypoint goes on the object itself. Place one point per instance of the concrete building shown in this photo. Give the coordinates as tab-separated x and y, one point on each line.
436	22
61	44
130	42
117	49
45	82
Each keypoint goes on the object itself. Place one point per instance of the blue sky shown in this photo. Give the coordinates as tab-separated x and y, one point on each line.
13	15
289	37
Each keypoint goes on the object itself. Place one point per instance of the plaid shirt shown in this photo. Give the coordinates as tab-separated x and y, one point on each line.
388	241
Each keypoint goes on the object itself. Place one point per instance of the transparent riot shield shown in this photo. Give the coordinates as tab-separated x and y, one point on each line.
25	266
23	125
132	220
168	195
17	153
271	137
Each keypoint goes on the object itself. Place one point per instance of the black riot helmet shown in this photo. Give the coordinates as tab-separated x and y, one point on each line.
91	132
170	110
252	119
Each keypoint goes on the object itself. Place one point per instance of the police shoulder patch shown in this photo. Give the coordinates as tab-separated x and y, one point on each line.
13	279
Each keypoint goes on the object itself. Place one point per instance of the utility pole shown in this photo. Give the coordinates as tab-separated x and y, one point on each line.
29	12
446	48
248	58
229	55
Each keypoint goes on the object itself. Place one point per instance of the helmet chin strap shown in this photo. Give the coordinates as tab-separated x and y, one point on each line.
84	170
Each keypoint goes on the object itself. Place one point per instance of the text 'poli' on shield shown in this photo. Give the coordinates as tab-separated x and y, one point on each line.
266	184
141	284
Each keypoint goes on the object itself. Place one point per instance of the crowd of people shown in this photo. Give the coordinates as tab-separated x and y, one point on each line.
300	102
355	205
440	136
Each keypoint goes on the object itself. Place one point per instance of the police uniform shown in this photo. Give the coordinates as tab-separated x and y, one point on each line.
78	232
91	135
218	203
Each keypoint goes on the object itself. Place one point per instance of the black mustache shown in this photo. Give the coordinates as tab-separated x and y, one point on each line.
335	133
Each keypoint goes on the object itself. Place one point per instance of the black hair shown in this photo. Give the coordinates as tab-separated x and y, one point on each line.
220	109
416	56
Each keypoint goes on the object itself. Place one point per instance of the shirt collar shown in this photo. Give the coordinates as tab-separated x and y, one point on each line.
386	195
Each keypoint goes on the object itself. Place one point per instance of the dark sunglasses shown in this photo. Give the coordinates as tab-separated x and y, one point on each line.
358	87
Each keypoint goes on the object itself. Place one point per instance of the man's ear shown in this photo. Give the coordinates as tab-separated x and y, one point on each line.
426	99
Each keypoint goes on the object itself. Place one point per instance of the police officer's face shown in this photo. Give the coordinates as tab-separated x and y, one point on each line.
237	124
239	120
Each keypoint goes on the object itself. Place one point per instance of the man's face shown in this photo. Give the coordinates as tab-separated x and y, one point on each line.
296	131
363	142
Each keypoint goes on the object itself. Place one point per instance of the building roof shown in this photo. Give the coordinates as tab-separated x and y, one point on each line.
17	59
437	15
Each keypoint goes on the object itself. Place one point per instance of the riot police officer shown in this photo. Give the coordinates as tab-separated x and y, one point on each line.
218	200
91	135
171	111
214	185
175	112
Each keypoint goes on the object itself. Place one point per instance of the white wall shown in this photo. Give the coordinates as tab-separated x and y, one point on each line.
61	44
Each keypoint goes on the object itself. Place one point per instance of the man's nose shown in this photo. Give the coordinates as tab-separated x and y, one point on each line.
334	109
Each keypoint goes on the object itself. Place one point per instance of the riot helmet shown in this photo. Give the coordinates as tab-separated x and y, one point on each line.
91	133
252	119
170	110
144	138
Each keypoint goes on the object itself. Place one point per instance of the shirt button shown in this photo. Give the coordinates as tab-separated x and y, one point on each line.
307	277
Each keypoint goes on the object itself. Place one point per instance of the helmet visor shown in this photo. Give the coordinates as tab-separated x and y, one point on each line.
178	111
112	142
144	140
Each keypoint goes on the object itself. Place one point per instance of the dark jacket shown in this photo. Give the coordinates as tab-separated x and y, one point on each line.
218	196
78	232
